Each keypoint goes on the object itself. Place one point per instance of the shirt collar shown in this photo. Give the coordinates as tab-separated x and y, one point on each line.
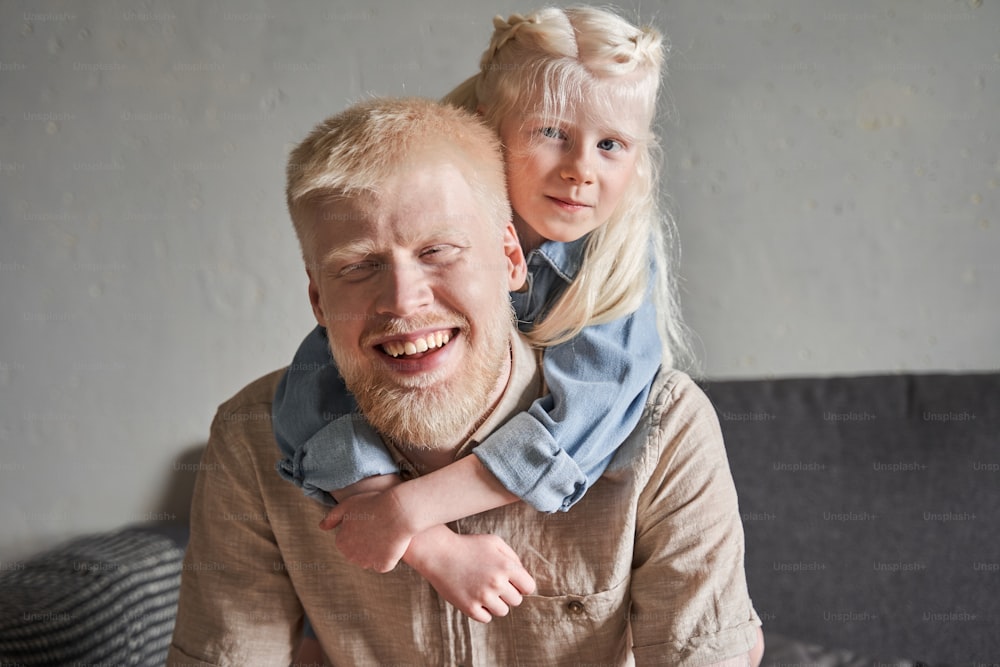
523	387
564	258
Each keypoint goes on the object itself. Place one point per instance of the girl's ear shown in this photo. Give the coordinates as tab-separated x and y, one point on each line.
480	111
517	266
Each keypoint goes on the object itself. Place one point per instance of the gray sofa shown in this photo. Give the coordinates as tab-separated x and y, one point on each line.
870	506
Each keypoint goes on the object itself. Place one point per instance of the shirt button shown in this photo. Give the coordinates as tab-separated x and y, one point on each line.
575	607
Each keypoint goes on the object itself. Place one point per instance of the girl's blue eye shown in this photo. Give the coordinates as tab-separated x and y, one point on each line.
609	145
551	132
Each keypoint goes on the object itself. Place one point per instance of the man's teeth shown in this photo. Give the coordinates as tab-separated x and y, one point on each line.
397	348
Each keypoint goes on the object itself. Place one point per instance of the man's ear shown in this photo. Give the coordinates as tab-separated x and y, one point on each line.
314	299
517	266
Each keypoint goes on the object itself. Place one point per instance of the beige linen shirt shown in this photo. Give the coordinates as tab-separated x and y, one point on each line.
646	569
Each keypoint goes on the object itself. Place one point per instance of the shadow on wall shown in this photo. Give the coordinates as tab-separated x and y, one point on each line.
174	505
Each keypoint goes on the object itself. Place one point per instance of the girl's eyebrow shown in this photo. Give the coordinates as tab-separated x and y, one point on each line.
617	131
628	137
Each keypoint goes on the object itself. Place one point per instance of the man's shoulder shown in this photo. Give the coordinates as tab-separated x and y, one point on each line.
679	417
253	399
674	391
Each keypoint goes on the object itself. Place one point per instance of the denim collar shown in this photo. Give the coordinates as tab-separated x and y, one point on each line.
564	258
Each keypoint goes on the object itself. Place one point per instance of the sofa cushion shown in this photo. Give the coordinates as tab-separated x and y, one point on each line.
102	599
781	651
871	507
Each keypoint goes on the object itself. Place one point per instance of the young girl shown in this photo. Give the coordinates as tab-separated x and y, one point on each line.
572	95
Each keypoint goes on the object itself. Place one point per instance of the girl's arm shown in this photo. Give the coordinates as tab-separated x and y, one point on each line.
547	456
334	460
379	516
480	575
332	454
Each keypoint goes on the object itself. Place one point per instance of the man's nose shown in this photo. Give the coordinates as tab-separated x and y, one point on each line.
404	289
578	165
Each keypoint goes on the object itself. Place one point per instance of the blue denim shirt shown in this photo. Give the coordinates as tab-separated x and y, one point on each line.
598	383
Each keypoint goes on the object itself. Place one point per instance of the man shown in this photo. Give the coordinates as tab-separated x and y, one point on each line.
401	210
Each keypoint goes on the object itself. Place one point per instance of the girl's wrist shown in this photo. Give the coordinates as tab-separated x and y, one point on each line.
424	547
402	504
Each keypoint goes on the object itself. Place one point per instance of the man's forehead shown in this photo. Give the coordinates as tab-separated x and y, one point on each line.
415	208
417	192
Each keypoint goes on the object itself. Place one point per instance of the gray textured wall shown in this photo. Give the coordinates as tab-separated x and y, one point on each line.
836	175
833	167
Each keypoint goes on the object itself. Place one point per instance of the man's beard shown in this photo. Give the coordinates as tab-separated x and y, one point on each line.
431	411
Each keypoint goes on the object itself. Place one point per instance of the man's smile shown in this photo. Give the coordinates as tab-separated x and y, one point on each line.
416	346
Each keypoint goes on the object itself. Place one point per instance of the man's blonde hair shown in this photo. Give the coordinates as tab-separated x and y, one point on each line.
357	149
590	58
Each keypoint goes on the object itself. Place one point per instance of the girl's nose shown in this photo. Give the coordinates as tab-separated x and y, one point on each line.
578	166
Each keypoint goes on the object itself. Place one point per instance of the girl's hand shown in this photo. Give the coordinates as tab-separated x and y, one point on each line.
373	530
479	574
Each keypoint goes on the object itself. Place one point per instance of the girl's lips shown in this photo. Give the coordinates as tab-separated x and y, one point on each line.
564	203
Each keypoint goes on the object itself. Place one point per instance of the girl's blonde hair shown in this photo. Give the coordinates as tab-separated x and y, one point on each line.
591	58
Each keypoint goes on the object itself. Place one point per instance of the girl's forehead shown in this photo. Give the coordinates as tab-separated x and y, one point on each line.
611	104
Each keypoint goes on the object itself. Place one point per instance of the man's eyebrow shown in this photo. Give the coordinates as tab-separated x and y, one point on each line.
445	231
366	247
356	248
450	233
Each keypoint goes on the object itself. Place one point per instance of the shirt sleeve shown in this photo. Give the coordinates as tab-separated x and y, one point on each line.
690	603
598	383
324	441
237	605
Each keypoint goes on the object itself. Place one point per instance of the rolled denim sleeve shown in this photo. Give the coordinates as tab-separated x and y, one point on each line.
324	441
598	383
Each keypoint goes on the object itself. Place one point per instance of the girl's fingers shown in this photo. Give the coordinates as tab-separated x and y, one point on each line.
498	607
512	597
523	582
332	519
480	614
